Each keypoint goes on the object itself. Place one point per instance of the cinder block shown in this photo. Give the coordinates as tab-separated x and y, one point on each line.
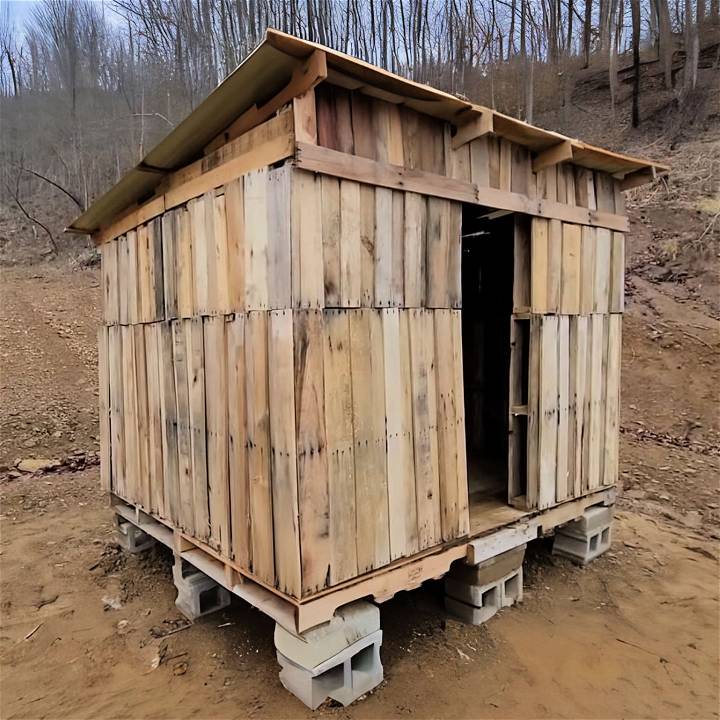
131	538
582	549
476	604
593	519
198	595
343	677
489	571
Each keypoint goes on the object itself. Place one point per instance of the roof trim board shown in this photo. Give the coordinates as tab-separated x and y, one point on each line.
270	68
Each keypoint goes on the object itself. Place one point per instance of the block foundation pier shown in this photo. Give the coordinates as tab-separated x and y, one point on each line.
587	537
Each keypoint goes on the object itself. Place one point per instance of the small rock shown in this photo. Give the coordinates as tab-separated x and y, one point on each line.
32	465
180	668
111	603
29	443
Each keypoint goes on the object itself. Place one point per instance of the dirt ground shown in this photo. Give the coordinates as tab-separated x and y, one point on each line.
84	628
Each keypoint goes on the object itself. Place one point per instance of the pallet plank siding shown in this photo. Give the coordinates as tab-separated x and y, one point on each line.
156	463
283	451
169	420
184	262
239	492
424	414
439	228
118	457
415	233
505	167
104	409
383	247
340	449
109	279
131	269
603	258
235	234
312	461
480	161
132	451
460	437
142	274
158	270
617	273
521	265
170	240
402	502
141	406
588	240
539	238
220	261
279	238
350	244
200	242
571	269
548	411
577	371
258	442
308	285
255	223
612	400
186	496
596	420
366	266
216	404
554	270
330	193
195	354
370	443
534	418
562	485
397	280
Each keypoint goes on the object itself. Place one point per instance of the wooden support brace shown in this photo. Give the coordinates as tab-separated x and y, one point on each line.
477	127
553	155
637	178
304	78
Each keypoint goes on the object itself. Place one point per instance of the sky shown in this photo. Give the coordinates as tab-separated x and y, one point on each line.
18	10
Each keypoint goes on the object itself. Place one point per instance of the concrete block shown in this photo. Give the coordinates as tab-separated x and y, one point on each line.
131	538
582	549
489	571
350	623
198	595
590	522
343	677
478	603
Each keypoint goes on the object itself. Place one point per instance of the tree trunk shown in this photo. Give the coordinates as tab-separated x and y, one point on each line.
635	11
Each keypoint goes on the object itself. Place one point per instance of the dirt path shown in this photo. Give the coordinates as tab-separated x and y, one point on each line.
633	635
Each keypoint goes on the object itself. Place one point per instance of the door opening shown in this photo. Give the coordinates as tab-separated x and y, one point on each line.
487	292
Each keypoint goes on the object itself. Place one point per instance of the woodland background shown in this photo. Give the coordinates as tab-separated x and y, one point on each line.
87	88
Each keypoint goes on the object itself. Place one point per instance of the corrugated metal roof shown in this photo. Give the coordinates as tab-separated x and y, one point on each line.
265	72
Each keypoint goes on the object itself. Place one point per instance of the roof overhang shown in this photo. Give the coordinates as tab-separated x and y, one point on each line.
270	67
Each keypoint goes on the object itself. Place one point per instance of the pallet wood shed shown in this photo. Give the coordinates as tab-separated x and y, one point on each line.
356	329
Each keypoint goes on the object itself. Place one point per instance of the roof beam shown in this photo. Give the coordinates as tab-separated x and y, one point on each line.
305	77
480	125
553	155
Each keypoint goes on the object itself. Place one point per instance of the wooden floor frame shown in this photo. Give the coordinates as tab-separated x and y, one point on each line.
404	574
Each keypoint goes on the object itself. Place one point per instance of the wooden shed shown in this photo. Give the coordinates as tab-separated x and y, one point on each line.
355	329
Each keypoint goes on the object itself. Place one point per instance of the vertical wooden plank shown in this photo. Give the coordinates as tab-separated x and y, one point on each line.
459	403
605	192
548	438
198	425
117	422
283	452
307	241
341	459
237	443
169	263
104	410
578	370
612	401
505	176
366	267
534	417
235	234
570	192
143	442
415	230
169	423
200	245
258	443
446	426
547	183
155	424
595	393
398	245
108	274
368	396
305	117
617	273
184	260
455	255
424	416
343	121
395	136
256	239
431	145
158	270
279	241
186	496
520	169
493	143
142	274
398	410
571	269
460	162
330	193
438	253
554	271
587	269
221	257
129	415
362	123
539	238
521	264
619	197
562	485
383	247
603	253
350	244
480	161
131	269
216	404
312	460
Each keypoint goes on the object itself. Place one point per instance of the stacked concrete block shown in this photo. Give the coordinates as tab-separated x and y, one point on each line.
338	660
474	593
131	538
586	538
198	594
